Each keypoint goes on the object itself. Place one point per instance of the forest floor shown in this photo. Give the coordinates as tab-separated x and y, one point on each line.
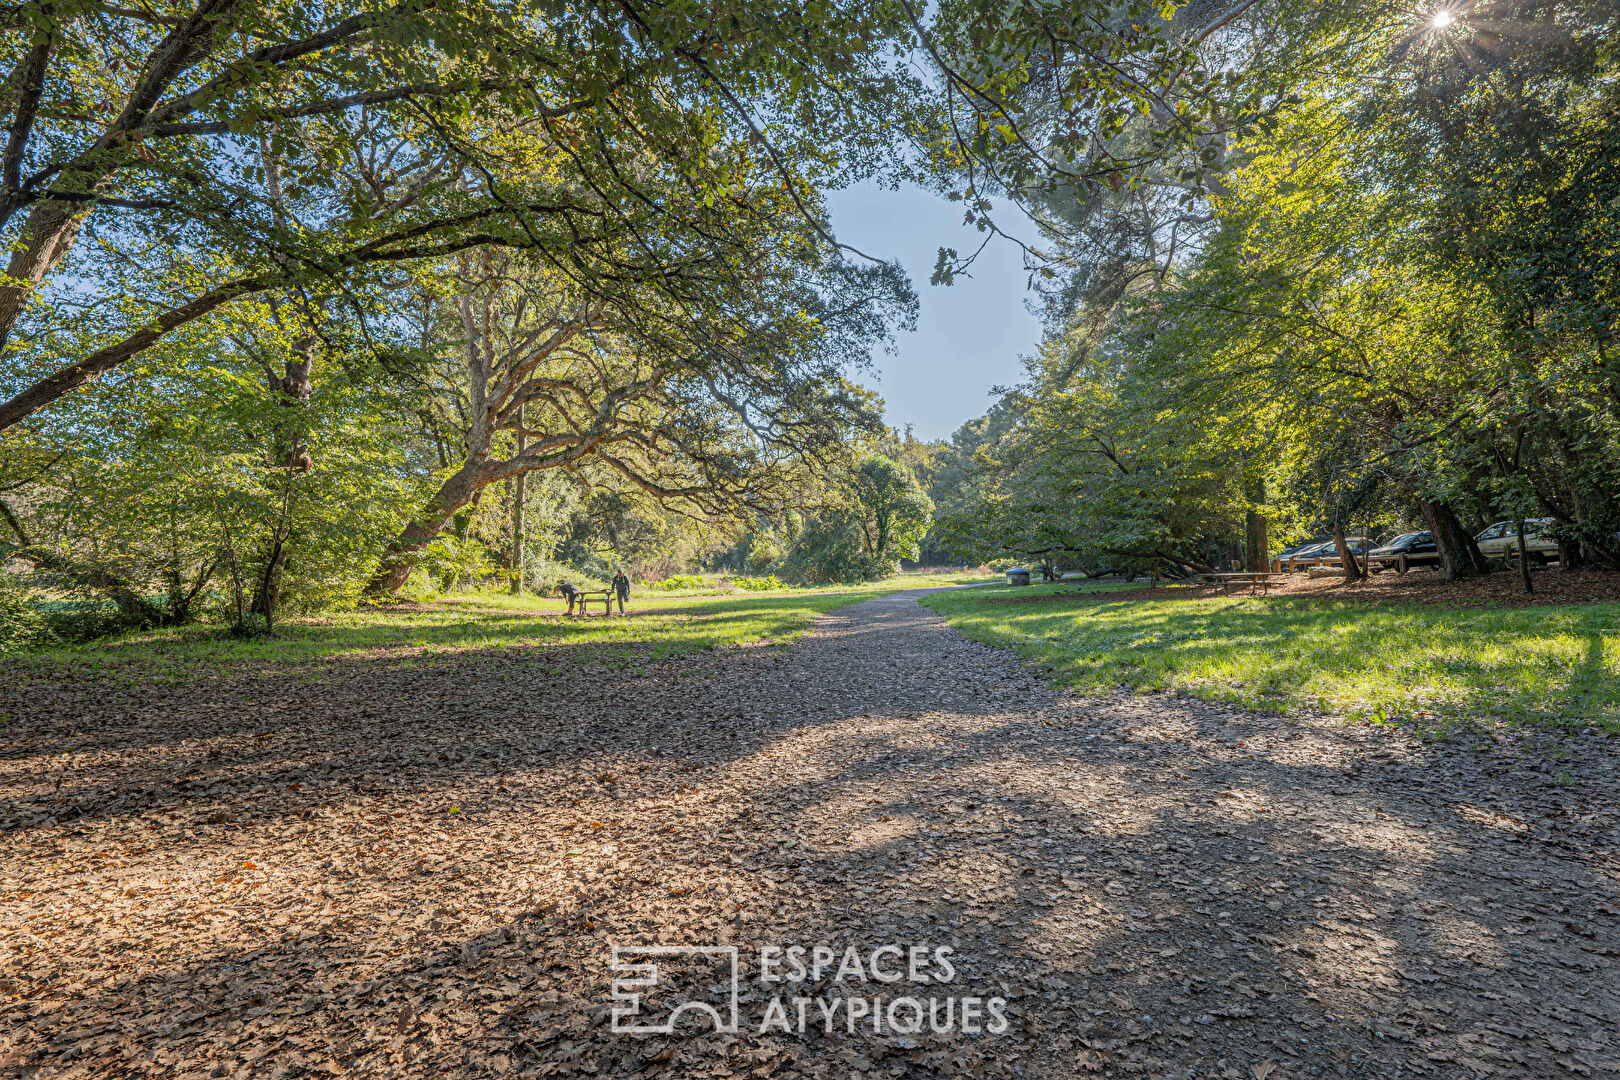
418	866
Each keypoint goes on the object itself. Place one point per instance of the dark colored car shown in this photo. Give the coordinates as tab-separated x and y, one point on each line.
1407	550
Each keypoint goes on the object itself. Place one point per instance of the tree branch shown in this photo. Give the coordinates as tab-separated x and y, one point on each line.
60	382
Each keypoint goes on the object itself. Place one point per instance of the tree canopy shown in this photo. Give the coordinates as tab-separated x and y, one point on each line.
1385	301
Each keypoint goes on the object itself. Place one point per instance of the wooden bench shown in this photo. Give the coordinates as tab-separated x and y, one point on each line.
1256	580
586	599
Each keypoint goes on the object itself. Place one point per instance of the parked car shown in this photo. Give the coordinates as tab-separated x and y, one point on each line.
1405	551
1358	548
1307	554
1501	541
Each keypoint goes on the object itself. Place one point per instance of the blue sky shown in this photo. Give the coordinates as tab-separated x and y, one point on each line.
969	335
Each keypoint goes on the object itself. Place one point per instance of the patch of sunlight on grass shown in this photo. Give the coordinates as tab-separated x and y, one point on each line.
659	628
1435	666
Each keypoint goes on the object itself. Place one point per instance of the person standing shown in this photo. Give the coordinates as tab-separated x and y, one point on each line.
621	589
567	591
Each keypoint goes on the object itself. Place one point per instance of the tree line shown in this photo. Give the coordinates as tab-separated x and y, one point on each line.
300	302
292	290
1370	284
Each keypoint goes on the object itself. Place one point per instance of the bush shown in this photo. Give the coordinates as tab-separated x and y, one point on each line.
758	584
831	551
22	624
676	582
73	621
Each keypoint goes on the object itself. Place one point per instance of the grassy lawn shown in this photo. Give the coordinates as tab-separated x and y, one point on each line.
1437	666
720	585
423	632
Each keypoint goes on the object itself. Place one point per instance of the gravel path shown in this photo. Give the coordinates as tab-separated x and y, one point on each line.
418	867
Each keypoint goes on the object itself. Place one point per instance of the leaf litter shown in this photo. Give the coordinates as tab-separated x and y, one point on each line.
419	870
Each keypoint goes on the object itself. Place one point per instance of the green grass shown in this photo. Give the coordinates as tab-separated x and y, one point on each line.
1438	667
455	627
716	585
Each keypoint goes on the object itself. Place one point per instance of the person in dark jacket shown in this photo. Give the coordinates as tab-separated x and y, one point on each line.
621	589
567	591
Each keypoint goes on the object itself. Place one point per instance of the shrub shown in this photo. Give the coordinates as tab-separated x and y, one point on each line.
22	624
681	581
758	584
73	621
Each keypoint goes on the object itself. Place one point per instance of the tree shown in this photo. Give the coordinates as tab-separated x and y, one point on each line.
895	512
716	407
220	150
1364	326
176	485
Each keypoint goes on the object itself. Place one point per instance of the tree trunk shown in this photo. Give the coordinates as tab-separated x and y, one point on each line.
1524	561
49	233
518	485
1577	554
1259	543
1190	564
290	390
181	598
1158	556
268	589
16	525
1459	554
130	602
1347	558
1569	556
400	557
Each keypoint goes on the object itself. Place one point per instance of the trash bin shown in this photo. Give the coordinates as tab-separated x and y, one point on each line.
1018	577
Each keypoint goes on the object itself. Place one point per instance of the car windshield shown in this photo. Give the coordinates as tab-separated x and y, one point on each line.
1404	538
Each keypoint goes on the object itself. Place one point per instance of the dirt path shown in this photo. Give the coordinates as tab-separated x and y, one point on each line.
420	870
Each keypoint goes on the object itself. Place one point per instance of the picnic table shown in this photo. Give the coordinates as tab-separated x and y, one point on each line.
1256	580
595	597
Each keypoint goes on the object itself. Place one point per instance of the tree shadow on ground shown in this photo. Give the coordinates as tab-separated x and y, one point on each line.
1159	887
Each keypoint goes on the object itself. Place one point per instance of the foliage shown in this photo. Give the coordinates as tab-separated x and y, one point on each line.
22	624
830	548
758	584
450	562
1102	121
893	510
176	490
233	150
874	513
461	246
680	582
715	413
1369	314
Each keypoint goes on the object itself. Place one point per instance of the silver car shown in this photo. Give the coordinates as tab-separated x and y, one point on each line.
1501	541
